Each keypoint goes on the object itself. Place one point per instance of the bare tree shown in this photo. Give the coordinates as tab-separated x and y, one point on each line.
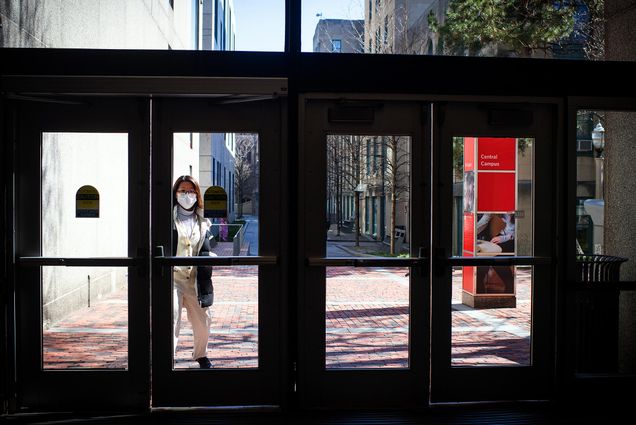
244	173
344	177
399	27
593	30
396	165
334	179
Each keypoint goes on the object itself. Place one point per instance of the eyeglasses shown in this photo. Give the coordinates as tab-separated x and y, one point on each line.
186	192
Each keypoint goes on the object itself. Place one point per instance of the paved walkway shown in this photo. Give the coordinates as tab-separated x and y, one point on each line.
343	244
367	314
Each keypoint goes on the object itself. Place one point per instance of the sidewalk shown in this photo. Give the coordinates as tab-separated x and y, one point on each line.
343	244
367	325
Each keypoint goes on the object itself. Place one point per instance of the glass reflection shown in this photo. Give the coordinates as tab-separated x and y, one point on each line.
572	30
145	24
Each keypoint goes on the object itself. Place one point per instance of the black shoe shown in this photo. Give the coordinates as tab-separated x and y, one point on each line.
204	363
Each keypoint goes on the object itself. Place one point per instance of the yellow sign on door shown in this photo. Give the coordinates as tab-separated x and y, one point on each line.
87	202
215	202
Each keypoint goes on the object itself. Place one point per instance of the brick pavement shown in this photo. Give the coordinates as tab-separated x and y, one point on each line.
367	324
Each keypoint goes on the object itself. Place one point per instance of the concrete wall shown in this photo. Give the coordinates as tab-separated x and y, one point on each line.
620	219
620	154
70	161
185	155
114	24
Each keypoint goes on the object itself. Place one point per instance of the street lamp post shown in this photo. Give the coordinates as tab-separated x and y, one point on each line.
598	141
358	191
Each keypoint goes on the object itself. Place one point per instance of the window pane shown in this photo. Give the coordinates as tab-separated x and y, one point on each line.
368	195
233	341
84	198
605	234
368	199
245	25
492	216
226	167
454	27
604	184
84	194
492	336
85	318
367	318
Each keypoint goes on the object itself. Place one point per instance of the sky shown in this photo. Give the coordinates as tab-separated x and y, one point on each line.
260	24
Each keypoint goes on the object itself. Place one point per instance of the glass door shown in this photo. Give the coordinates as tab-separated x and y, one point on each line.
81	276
494	237
363	223
217	227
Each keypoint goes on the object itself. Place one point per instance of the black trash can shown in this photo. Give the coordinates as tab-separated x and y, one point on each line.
598	268
597	313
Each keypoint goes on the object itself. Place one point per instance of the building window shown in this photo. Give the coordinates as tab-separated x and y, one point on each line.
375	156
383	158
336	46
367	207
370	10
374	217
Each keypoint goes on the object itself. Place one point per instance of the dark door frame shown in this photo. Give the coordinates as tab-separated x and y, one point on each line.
44	73
51	389
319	387
264	385
453	384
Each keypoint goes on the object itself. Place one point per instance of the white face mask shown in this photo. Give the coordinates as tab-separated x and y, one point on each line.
186	201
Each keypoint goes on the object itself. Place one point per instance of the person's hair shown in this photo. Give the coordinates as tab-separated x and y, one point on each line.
197	189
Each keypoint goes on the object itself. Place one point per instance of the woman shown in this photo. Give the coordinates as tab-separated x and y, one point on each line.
498	229
192	285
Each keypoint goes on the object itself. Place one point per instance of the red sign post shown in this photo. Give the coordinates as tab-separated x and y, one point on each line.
490	201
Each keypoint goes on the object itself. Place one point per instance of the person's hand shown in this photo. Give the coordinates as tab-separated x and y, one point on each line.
496	239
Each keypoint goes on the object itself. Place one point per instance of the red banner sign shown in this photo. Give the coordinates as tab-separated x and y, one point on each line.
469	153
496	192
497	154
490	186
469	232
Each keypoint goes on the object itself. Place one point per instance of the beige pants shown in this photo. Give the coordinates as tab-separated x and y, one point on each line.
197	316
